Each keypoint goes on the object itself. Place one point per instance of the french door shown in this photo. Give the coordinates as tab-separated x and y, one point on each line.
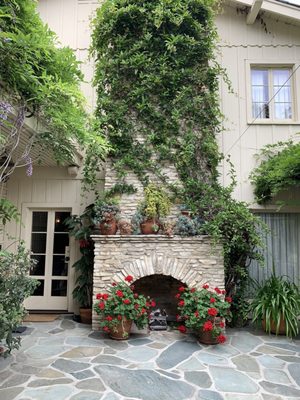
50	249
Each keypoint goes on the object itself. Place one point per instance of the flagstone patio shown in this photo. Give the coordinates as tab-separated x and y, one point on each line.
65	360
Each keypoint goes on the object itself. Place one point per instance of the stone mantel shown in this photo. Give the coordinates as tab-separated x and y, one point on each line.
193	261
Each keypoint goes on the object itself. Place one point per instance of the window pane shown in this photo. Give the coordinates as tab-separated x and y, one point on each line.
281	77
60	217
59	288
39	268
259	77
39	290
283	95
39	221
60	267
260	110
260	94
38	242
61	240
283	111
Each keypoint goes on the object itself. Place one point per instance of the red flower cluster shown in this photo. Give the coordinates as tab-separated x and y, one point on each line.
119	293
221	339
212	300
181	289
126	301
228	299
129	278
213	312
218	291
208	326
182	329
181	303
205	286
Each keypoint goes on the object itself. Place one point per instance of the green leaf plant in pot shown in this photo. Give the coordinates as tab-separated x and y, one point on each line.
81	227
156	205
277	305
106	215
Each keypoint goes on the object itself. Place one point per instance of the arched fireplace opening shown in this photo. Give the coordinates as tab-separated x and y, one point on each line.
162	289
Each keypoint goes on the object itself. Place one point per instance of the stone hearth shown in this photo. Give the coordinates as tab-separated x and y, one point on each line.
191	260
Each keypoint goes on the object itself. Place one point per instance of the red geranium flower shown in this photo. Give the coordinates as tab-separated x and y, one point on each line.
143	310
181	303
178	296
101	305
136	306
153	304
217	290
193	290
228	299
119	293
222	325
98	296
212	311
212	300
105	296
135	295
223	291
182	329
126	301
132	287
221	339
129	278
207	326
148	304
106	329
206	286
114	284
196	313
181	289
119	317
109	318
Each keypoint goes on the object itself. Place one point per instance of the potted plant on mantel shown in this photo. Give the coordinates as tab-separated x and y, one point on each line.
155	206
106	215
205	312
121	306
81	228
277	306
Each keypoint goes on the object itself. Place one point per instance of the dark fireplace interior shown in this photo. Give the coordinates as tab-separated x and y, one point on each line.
162	289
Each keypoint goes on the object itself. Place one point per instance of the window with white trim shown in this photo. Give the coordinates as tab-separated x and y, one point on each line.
271	89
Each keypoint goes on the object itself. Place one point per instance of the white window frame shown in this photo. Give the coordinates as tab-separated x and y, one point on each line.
295	79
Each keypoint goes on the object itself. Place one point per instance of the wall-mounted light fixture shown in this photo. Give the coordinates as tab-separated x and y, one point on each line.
73	170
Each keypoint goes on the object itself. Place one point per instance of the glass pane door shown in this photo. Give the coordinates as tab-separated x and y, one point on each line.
50	249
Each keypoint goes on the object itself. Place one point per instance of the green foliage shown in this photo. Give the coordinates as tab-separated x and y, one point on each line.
8	212
15	286
121	301
279	170
277	299
157	203
157	80
105	210
35	71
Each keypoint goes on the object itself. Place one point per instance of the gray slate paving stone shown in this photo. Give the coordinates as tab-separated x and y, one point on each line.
107	359
66	324
82	352
85	395
176	353
246	342
49	393
276	376
11	393
230	380
137	355
270	362
245	363
282	390
192	364
15	380
211	359
294	370
83	341
43	352
83	374
91	384
199	378
139	342
169	374
144	384
121	345
267	349
290	359
55	331
266	396
49	382
286	346
69	366
111	396
209	395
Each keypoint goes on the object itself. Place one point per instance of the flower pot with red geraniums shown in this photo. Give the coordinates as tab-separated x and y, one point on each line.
106	216
204	311
121	306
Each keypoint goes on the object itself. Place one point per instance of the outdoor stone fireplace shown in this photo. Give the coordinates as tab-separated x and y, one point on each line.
176	260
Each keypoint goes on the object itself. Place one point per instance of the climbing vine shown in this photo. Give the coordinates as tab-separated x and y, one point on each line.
278	170
157	80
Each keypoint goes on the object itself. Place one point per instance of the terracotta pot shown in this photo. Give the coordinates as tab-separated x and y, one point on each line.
282	327
206	337
85	315
109	227
147	227
122	330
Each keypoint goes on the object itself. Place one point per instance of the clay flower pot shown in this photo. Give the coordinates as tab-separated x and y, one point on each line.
150	227
282	327
121	331
85	315
109	227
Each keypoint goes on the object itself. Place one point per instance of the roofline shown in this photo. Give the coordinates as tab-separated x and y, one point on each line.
283	10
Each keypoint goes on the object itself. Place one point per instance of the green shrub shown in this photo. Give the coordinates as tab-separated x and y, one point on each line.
15	286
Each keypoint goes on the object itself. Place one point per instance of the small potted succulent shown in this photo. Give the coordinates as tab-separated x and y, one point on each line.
277	306
106	215
155	206
120	306
125	227
205	312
